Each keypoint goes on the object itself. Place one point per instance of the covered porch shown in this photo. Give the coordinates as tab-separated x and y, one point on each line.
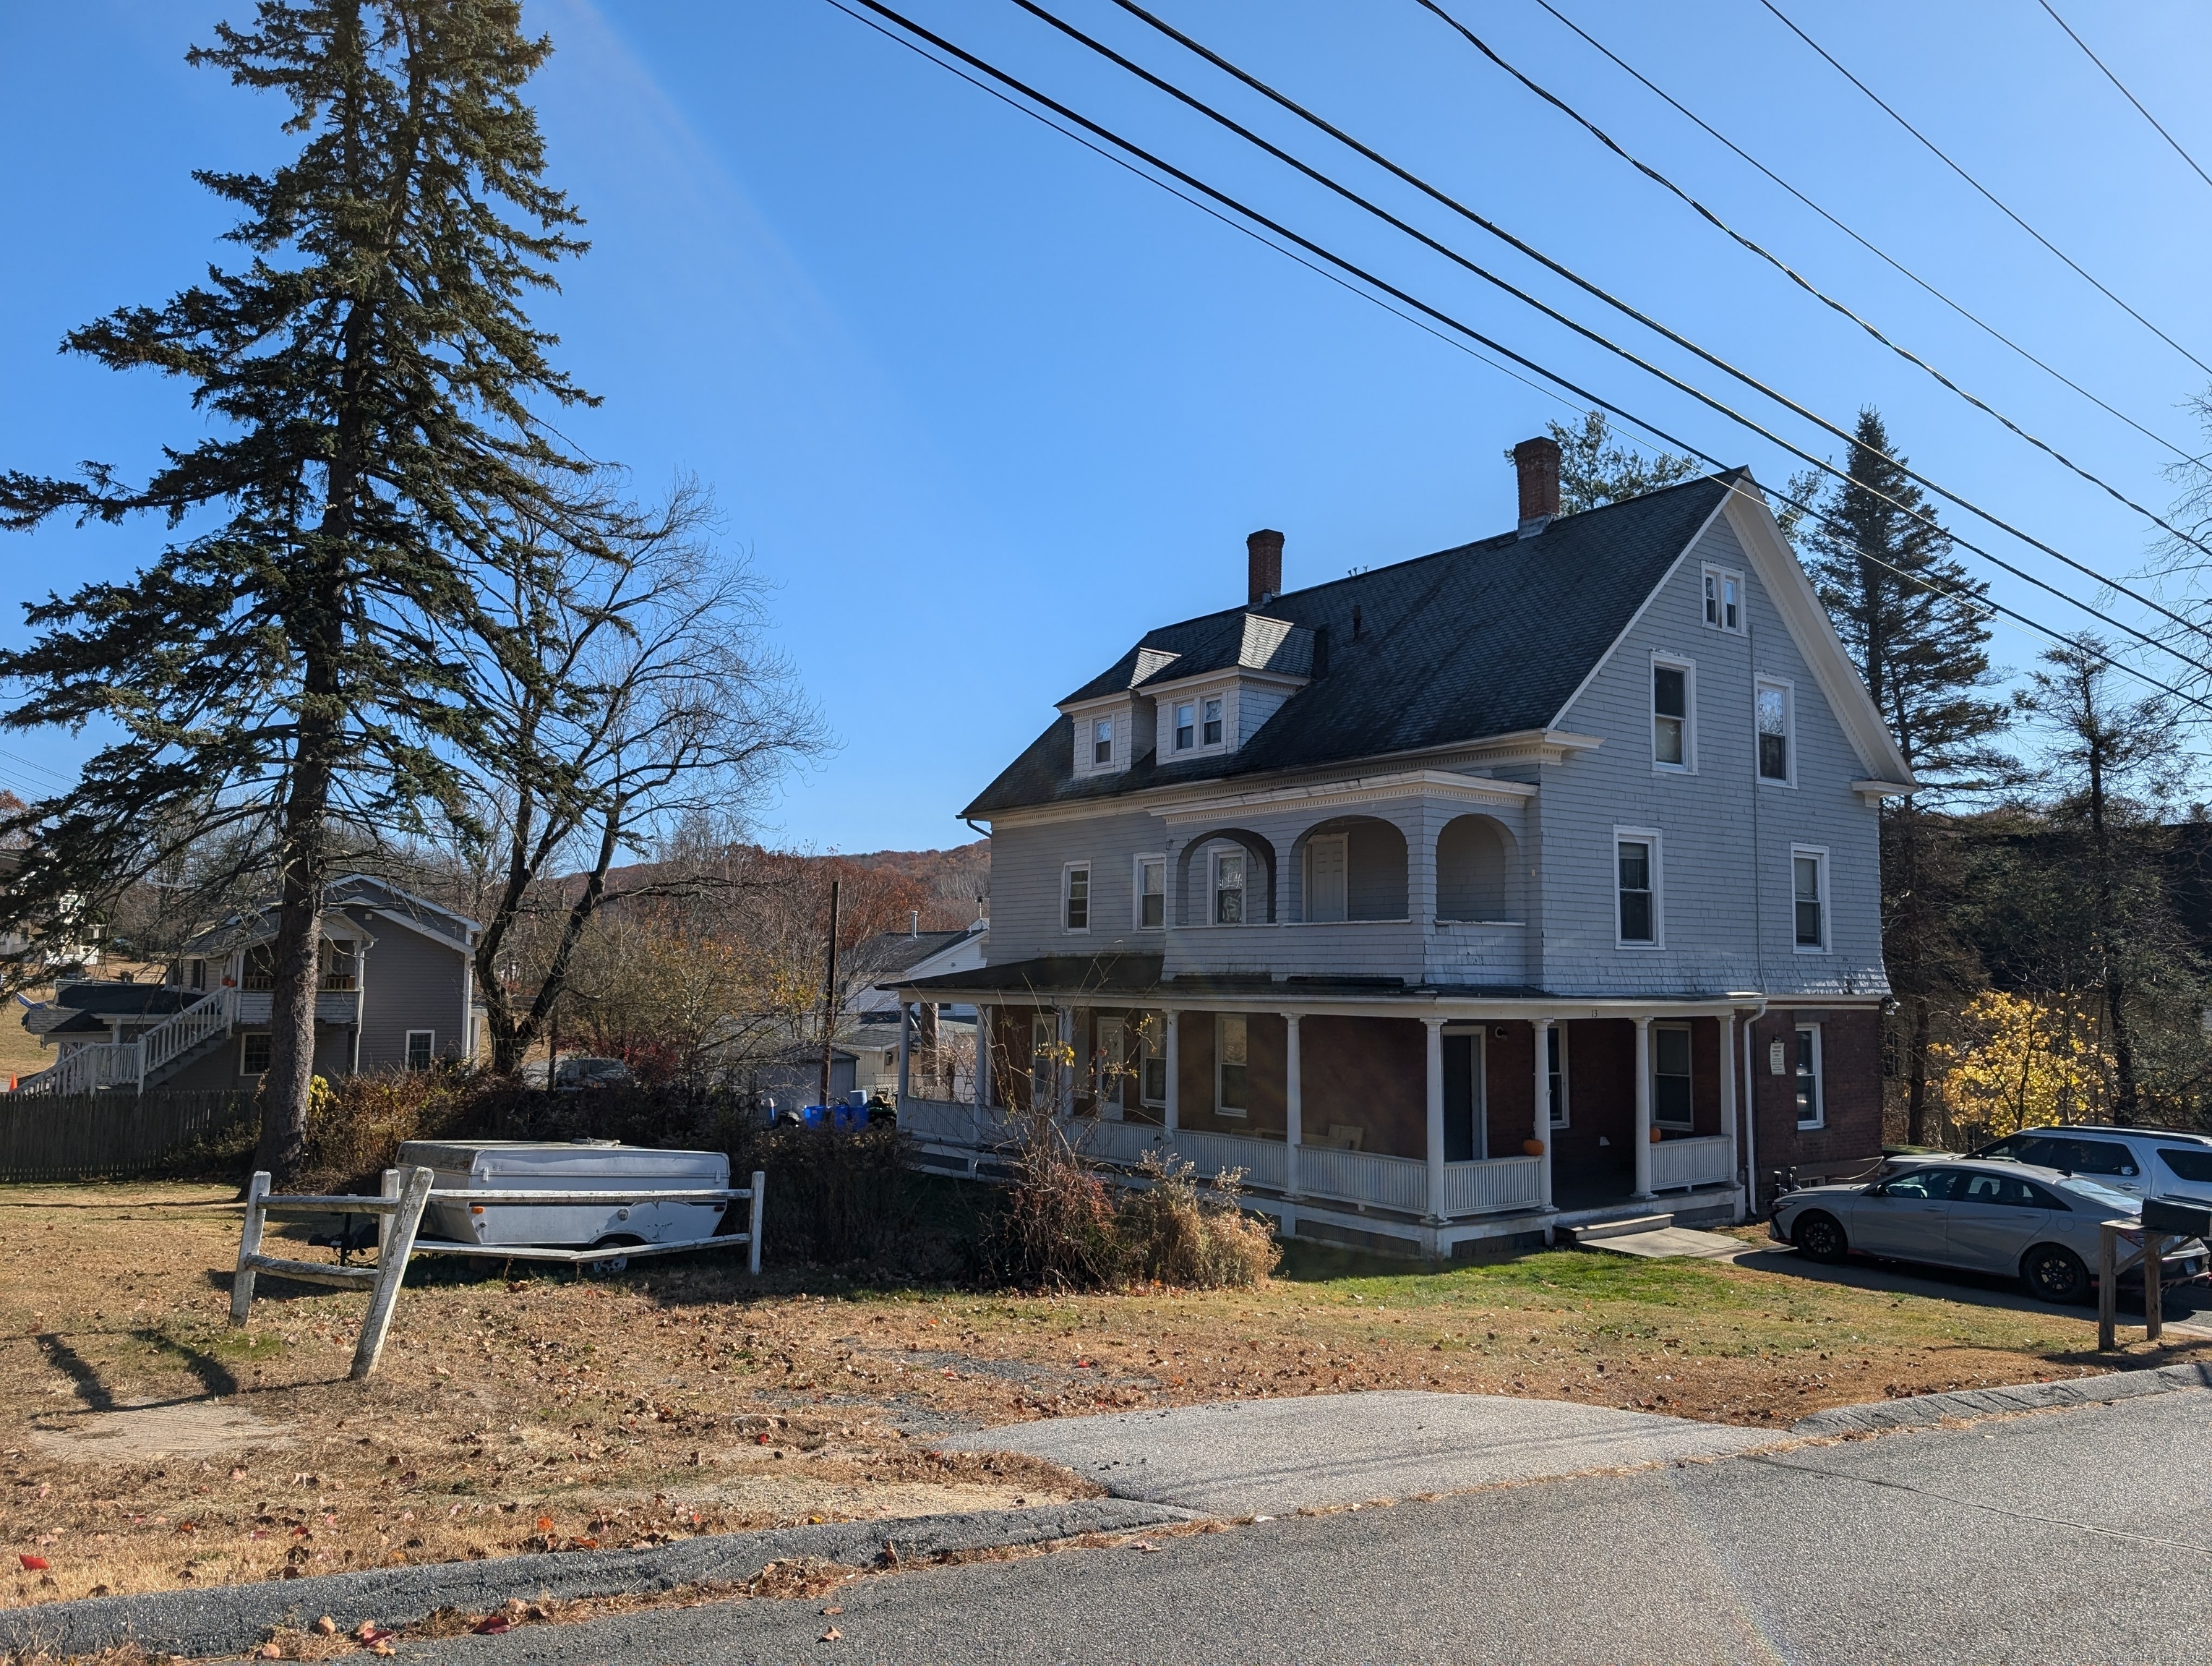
1417	1122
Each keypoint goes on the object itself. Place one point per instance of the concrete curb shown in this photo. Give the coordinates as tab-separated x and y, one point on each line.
235	1618
1925	1408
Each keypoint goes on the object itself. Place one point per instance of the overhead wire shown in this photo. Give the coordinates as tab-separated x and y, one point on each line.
2156	124
1872	248
1996	202
1596	337
1798	278
1379	286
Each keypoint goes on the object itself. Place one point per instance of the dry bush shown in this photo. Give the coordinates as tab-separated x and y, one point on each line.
1172	1234
1056	1230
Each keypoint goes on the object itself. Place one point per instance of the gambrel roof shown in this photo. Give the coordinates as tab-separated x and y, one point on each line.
1485	640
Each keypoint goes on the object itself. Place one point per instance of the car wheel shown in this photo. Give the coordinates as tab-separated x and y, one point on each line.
1821	1237
2056	1273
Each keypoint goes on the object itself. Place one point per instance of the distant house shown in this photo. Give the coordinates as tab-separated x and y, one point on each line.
396	991
1527	884
66	943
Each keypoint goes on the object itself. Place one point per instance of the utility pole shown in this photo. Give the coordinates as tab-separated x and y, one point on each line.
829	994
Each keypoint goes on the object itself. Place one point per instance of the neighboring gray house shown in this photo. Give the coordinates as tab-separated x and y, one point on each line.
397	993
1513	887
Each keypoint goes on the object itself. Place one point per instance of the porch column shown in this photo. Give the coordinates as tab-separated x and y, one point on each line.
1543	1029
1642	1134
1294	1111
1066	1097
982	1082
1436	1086
1727	1026
906	1049
1174	1072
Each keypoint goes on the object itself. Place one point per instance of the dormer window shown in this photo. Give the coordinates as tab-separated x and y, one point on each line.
1186	729
1213	720
1102	741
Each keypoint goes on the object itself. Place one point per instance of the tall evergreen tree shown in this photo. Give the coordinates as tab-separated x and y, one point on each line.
1596	470
283	664
1914	624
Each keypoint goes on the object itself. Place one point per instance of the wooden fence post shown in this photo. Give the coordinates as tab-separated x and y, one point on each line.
753	1231
391	1189
2154	1266
249	1245
390	1269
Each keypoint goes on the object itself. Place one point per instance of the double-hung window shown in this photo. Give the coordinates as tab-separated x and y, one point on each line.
1723	599
1772	705
1151	1060
1809	899
1186	727
1555	1041
1670	1075
421	1045
1229	888
253	1051
1101	742
1151	893
1213	719
1672	743
1075	896
1636	864
1231	1065
1811	1111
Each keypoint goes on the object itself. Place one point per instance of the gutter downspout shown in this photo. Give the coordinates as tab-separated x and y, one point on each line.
1751	1114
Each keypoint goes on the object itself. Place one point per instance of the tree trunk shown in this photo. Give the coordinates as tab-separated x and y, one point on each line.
304	867
2125	1108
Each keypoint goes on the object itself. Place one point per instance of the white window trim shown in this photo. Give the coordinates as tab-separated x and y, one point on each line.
245	1037
1819	1119
1788	733
1648	835
1196	700
407	1049
1090	740
1068	872
1827	943
1213	884
1234	1113
1681	1027
1720	576
1688	667
1562	1101
1137	890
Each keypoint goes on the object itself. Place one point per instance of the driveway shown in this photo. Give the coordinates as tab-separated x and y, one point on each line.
2188	1306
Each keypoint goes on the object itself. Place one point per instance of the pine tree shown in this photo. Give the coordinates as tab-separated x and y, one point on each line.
1916	625
284	666
1594	471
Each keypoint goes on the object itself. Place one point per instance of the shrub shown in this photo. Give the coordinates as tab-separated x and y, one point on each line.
1172	1234
1057	1229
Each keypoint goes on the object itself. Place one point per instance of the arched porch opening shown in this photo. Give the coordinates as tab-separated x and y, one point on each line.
1479	875
1351	867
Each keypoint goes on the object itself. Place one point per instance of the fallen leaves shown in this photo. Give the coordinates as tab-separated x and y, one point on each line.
493	1625
832	1635
33	1564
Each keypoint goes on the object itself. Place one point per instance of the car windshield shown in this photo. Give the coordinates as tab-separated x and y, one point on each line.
2104	1197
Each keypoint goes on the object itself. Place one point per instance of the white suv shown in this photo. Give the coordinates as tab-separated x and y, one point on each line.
2141	1162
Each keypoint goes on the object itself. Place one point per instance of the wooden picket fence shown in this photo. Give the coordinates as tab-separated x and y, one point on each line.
106	1136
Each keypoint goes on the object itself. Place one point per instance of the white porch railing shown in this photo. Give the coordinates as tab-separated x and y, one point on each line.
1501	1182
1364	1177
1324	1172
181	1032
1686	1162
86	1069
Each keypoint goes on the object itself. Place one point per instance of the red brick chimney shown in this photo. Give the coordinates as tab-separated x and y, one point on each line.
1264	552
1537	463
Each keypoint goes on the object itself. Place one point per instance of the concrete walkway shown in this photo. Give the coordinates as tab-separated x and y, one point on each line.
1665	1241
1273	1456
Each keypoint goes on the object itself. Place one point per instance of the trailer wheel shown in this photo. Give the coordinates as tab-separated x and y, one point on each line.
611	1264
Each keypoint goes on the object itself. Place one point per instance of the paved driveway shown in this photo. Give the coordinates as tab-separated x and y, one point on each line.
2189	1305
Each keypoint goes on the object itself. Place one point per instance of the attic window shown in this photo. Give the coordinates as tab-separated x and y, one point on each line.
1213	720
1102	741
1723	599
1186	731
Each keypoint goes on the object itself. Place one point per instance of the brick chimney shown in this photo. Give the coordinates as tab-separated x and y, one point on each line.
1264	551
1537	463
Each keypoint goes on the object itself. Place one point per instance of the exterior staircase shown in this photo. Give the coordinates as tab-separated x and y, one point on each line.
150	1059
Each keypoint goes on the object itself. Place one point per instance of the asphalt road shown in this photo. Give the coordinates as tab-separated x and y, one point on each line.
2075	1535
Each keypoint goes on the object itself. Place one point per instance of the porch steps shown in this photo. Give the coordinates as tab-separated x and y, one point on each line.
1614	1229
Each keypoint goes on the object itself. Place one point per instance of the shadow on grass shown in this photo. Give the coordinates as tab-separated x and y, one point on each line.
82	1374
214	1377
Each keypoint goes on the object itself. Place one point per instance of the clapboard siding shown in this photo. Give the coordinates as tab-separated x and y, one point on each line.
1026	865
412	982
1725	839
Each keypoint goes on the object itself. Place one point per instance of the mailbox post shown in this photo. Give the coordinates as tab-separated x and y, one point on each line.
2162	1218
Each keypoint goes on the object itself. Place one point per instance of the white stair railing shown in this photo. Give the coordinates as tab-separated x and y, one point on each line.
86	1069
181	1032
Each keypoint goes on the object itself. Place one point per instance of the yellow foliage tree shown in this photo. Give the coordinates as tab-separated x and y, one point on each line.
2020	1063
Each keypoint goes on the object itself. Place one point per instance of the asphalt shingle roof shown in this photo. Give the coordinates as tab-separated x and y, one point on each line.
1487	638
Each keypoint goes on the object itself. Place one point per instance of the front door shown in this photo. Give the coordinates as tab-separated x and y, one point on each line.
1325	877
1906	1217
1464	1121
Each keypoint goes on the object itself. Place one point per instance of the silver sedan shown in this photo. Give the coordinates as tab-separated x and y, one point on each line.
2011	1218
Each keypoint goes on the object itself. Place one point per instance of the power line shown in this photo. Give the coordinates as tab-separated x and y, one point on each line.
1582	394
1794	276
1936	151
2125	93
1592	336
1878	253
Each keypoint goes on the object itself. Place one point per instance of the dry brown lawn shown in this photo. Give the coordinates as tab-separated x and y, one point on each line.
147	1445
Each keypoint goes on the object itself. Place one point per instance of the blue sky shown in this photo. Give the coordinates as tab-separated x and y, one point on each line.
984	407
